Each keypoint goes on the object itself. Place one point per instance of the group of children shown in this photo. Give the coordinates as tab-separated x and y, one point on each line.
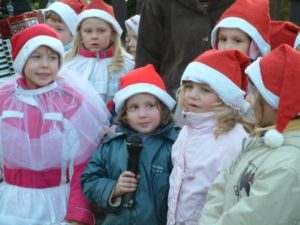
234	160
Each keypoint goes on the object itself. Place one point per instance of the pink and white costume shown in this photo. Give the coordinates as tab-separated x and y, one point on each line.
47	136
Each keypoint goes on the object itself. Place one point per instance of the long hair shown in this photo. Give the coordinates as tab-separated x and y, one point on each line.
117	61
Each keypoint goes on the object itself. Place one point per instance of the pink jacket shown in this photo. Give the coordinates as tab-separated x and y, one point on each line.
197	159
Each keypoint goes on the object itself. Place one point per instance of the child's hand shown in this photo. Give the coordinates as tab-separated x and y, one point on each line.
127	182
110	130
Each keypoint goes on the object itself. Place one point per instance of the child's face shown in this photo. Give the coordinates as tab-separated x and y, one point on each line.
96	34
41	67
132	40
263	114
63	31
199	98
143	113
232	38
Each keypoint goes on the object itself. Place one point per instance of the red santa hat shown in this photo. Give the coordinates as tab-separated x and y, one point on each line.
223	71
100	10
133	23
142	80
68	10
29	39
253	18
276	76
297	40
283	32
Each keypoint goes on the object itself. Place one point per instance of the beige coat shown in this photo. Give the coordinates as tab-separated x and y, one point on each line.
262	187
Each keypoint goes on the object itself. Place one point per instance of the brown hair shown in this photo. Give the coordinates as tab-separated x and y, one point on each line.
51	15
165	114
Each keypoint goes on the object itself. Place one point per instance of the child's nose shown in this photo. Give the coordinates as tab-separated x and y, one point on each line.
142	111
45	61
194	93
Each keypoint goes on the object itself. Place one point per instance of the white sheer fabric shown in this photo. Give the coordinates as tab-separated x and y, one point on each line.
95	71
53	127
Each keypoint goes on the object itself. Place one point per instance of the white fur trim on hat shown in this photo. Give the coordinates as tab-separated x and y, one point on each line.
133	23
254	73
297	41
32	45
67	14
227	90
100	14
273	138
122	95
236	22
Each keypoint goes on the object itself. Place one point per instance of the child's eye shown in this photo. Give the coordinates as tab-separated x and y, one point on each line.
207	90
132	108
53	58
35	56
221	39
87	31
188	86
102	30
150	105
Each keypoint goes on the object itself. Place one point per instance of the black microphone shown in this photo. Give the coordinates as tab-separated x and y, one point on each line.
134	147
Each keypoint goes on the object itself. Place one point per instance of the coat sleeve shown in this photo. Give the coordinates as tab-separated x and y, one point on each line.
274	199
150	36
96	184
78	208
214	205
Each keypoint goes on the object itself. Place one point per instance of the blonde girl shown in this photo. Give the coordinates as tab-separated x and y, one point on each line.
212	100
97	54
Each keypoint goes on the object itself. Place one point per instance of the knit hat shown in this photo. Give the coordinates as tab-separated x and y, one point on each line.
142	80
250	16
68	10
276	76
223	71
29	39
100	10
297	41
133	23
283	32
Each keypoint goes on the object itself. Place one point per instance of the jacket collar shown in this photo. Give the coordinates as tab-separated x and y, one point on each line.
291	126
107	53
203	121
166	132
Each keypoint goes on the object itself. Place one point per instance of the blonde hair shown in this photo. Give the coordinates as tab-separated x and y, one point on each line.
165	114
226	116
117	61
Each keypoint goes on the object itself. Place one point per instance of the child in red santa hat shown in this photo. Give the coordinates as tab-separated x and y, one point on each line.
245	26
97	54
144	111
62	16
50	126
262	185
132	27
212	98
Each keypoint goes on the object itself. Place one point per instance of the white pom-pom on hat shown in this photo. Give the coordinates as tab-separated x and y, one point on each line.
273	138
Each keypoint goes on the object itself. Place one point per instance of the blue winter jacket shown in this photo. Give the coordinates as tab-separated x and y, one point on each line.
110	160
